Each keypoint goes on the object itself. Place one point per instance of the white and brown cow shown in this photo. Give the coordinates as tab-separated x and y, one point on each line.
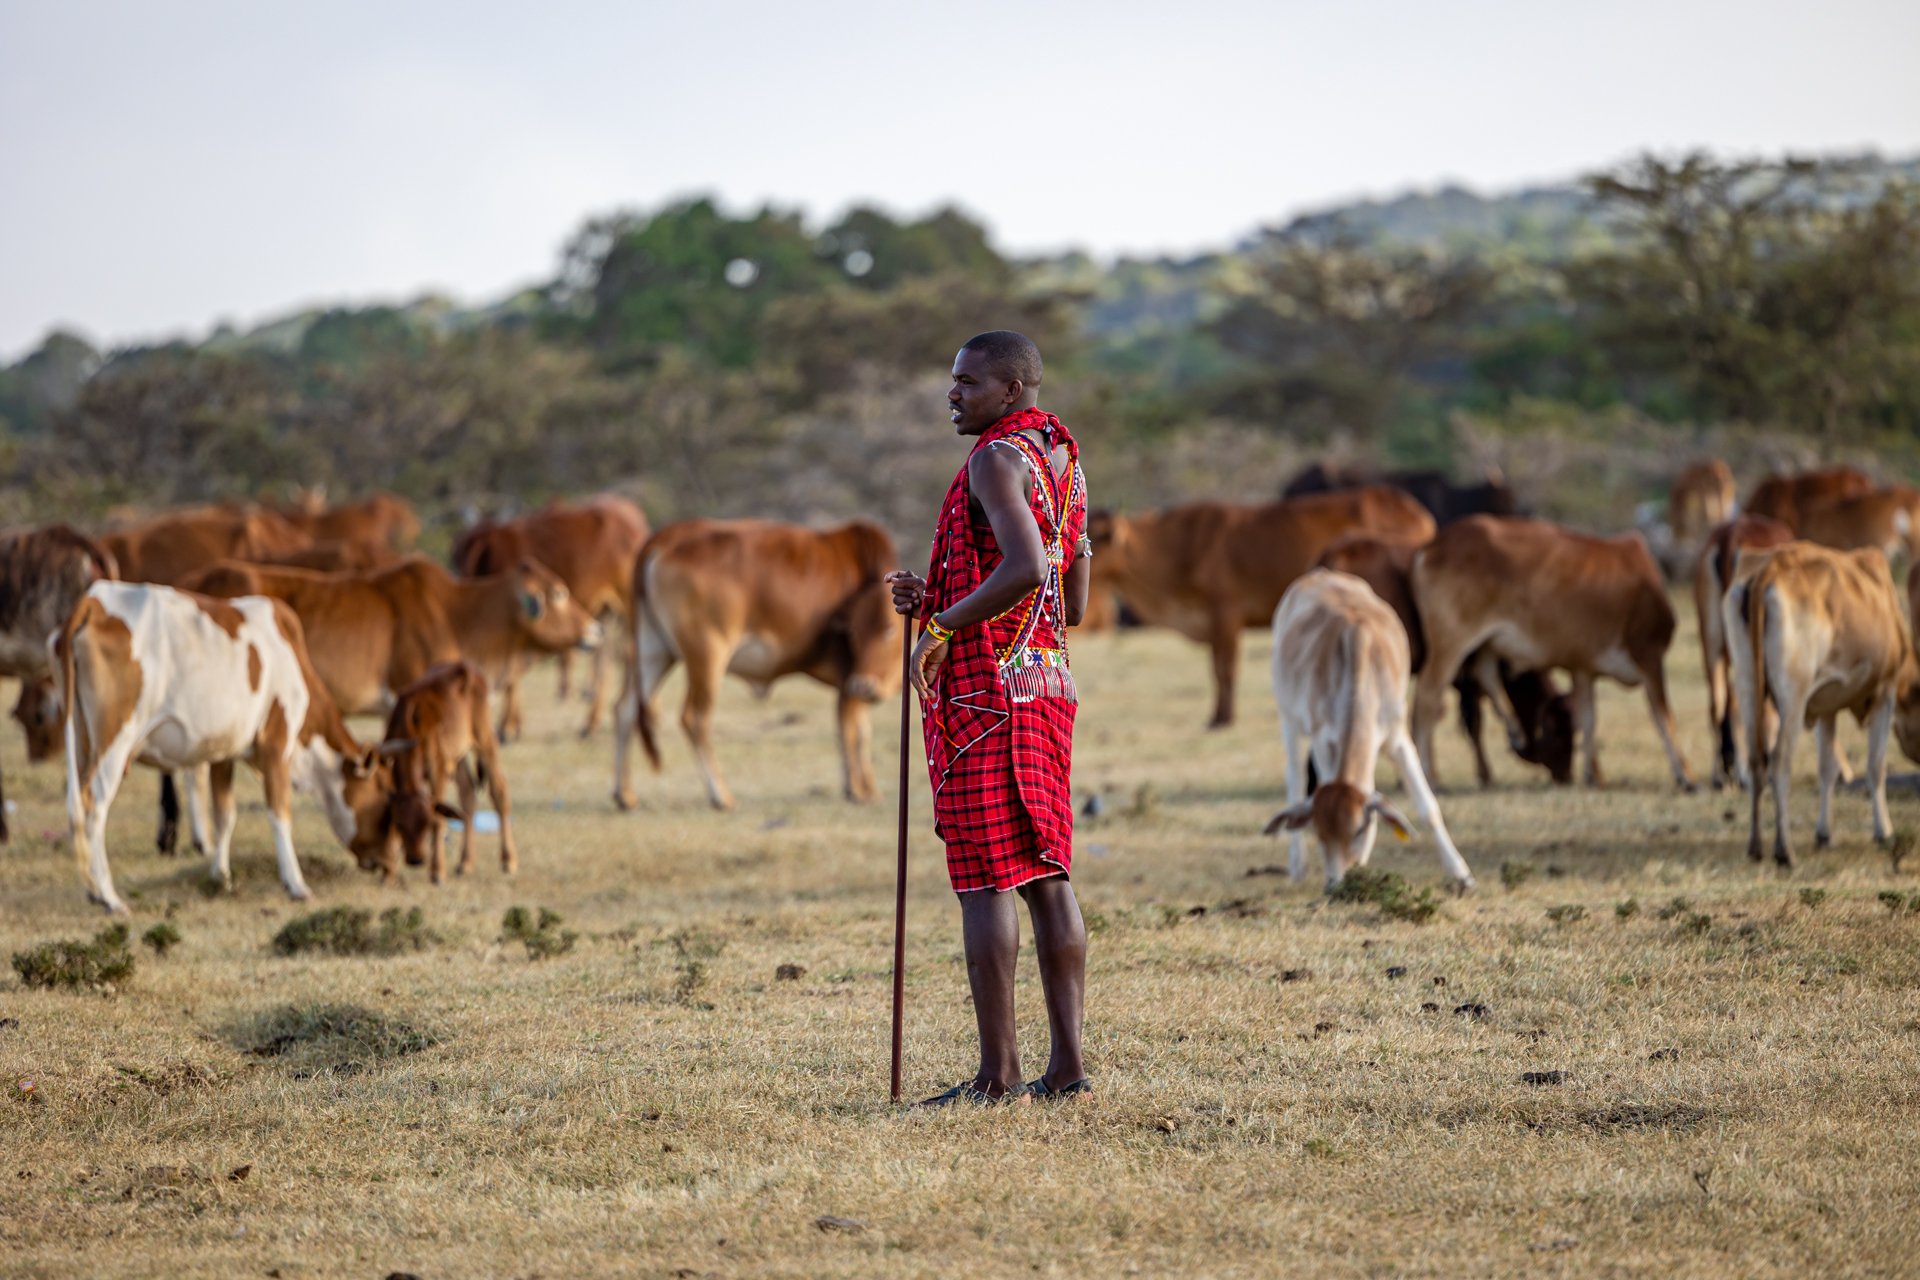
1340	672
1814	632
171	680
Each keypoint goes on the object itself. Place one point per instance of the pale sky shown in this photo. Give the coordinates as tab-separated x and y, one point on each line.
166	164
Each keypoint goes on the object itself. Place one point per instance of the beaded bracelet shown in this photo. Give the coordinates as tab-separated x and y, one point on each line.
939	633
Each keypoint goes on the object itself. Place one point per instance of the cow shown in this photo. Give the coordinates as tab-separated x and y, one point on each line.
592	546
1815	632
1443	499
382	526
440	729
1711	576
331	557
1791	498
1887	518
155	676
1701	499
1340	669
1545	713
1544	597
170	548
762	600
1211	569
43	574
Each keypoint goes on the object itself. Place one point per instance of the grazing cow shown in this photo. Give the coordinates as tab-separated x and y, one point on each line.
441	729
1700	500
169	548
1543	597
1340	671
1545	713
1211	569
1790	498
175	681
43	574
1711	577
382	526
1815	632
332	557
592	546
1443	499
1886	518
761	600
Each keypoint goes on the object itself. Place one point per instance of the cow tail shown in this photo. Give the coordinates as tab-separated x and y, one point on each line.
71	728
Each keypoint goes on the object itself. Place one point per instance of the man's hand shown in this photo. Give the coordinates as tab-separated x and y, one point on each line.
928	657
909	592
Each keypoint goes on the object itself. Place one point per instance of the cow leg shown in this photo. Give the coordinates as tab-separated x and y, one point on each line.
1472	722
1430	696
6	836
651	659
1407	761
220	795
566	673
167	839
597	688
510	699
489	755
278	785
1878	727
1223	637
469	791
1654	674
704	672
1297	790
1584	724
195	798
1828	755
856	750
1782	763
90	830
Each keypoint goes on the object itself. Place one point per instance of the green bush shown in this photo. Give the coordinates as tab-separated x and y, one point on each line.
103	962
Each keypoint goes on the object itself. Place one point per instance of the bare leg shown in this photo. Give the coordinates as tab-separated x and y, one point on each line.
1060	939
990	929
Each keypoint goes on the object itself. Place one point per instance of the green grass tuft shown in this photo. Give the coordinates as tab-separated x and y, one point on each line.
350	931
102	963
539	932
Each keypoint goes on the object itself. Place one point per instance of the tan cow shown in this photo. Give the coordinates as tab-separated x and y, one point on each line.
1700	500
761	600
381	526
44	573
175	681
1886	518
441	730
592	546
170	548
1711	576
1791	498
1211	569
1815	632
1340	672
1544	598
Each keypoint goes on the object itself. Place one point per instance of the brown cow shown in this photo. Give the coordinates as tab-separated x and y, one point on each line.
43	573
761	600
1544	597
1815	632
441	729
383	525
592	546
1210	570
372	634
1545	713
332	557
170	548
1791	498
1700	500
1886	518
1711	577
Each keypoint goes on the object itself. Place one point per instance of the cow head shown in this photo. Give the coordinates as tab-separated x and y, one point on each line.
546	613
38	712
1344	820
367	785
1546	718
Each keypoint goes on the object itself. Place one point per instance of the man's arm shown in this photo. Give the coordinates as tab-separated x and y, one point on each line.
1073	587
999	478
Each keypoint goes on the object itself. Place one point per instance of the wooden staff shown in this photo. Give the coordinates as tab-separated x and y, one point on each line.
900	874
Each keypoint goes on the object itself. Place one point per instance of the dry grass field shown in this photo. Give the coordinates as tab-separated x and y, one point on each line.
1285	1084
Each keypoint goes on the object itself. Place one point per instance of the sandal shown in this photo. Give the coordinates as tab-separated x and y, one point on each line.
966	1091
1040	1090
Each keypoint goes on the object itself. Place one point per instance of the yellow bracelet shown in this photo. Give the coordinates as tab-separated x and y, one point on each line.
939	633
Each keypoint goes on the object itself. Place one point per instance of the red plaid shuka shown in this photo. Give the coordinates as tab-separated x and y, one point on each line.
999	730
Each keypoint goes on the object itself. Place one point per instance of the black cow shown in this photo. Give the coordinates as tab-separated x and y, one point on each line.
1446	500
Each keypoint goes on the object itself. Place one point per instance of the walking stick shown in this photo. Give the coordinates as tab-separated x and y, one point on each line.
900	873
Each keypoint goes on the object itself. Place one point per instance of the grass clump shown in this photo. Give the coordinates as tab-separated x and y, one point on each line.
1811	898
1678	907
163	938
350	931
103	962
337	1038
1387	891
1514	874
1566	914
539	932
1626	910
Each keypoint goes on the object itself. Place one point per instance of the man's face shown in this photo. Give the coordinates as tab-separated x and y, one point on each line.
979	396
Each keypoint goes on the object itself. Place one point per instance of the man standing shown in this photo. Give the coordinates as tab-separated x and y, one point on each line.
1008	576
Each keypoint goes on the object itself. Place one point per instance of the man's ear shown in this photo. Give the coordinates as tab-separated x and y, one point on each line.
1015	389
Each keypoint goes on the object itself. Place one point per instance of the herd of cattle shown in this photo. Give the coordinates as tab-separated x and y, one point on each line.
201	638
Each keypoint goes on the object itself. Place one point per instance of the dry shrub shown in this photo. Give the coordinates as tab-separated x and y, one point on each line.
350	931
336	1038
539	932
102	963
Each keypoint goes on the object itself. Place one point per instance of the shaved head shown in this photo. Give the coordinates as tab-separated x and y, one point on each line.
1012	356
